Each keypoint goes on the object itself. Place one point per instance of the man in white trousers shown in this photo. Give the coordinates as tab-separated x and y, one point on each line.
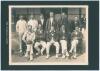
63	41
28	38
52	35
74	42
21	27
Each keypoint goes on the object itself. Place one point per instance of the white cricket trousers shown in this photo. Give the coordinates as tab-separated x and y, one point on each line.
37	44
74	45
29	48
20	41
64	47
56	44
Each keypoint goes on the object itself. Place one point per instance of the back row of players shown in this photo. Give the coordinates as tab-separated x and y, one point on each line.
44	33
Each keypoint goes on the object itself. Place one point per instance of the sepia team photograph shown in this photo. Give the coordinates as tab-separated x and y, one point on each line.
48	34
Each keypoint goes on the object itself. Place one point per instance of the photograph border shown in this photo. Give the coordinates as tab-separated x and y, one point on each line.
47	6
93	14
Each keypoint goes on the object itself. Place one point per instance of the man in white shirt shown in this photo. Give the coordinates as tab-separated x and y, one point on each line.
33	22
21	27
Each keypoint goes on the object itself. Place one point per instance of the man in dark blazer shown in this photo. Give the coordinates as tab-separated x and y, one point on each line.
75	23
52	35
64	21
82	23
40	36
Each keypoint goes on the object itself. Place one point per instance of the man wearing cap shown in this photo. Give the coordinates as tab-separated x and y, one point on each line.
28	38
40	36
33	22
52	35
21	27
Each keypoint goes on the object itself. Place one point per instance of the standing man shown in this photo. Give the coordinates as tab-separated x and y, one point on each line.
21	27
76	22
33	22
52	35
28	38
64	21
83	23
63	41
40	36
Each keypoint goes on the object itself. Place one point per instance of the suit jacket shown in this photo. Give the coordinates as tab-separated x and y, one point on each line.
48	28
77	36
64	22
77	23
51	35
62	35
40	32
43	26
83	22
74	24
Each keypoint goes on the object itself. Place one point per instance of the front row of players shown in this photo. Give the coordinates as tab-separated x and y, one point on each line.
35	35
30	38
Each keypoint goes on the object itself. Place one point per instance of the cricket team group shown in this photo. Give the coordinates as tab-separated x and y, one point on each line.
54	31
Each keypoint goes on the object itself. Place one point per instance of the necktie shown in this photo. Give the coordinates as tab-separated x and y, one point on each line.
51	22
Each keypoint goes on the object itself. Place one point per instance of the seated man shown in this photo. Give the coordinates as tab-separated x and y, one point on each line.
52	40
28	38
40	36
52	36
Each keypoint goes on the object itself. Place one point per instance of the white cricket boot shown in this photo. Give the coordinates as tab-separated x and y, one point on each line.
63	56
47	56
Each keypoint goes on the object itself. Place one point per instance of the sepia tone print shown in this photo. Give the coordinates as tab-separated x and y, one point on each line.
48	35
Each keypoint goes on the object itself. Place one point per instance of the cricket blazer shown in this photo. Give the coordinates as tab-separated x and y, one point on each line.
55	32
40	33
53	35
